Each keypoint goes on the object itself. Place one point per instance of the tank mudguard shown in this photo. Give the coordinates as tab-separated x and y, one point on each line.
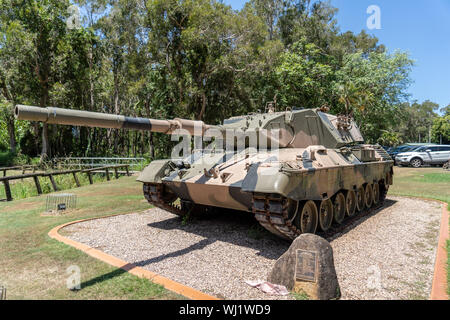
155	171
260	179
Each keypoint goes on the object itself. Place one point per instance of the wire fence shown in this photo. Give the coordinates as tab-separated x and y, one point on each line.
135	164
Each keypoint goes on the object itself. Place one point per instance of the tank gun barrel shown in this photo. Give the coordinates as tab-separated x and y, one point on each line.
71	117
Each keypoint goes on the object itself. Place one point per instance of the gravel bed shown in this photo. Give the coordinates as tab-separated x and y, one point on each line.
386	255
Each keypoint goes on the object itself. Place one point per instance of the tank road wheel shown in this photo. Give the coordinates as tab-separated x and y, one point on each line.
339	208
350	203
307	220
368	196
360	201
292	209
376	193
325	214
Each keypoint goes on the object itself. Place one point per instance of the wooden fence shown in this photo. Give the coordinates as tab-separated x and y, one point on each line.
50	175
24	168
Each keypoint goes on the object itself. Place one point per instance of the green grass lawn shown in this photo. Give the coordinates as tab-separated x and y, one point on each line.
34	266
433	183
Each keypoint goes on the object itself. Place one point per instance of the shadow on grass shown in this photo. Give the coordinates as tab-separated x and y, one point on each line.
196	246
106	277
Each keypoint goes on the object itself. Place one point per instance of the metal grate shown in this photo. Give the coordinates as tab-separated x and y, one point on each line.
61	201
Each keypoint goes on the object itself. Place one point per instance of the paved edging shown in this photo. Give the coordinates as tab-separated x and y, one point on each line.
169	284
439	287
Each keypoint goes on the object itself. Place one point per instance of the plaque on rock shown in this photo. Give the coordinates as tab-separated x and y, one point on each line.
306	266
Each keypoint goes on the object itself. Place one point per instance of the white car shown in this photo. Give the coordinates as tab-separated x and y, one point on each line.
434	155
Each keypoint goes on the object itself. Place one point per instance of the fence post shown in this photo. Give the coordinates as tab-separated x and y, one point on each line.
55	187
90	177
116	173
7	191
127	170
107	174
76	179
38	185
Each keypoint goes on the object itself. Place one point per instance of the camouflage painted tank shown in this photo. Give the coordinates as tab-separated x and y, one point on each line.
297	171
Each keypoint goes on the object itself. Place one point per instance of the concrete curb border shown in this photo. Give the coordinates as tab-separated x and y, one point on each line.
439	287
169	284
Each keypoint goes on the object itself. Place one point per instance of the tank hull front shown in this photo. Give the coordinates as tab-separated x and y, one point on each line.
222	196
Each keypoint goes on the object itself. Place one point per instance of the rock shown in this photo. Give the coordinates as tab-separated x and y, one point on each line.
308	267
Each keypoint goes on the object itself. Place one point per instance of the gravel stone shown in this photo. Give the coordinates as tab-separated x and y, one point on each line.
388	254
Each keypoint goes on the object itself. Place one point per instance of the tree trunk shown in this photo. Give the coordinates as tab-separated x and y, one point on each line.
12	133
9	118
202	111
151	149
116	107
91	82
45	145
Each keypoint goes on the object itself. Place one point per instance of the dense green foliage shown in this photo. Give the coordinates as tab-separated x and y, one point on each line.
196	59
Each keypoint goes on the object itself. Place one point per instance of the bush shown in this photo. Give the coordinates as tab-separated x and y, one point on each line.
7	158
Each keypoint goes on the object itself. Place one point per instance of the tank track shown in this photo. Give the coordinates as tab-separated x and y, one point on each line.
271	211
154	193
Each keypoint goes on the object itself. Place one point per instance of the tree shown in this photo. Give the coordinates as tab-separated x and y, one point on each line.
15	48
195	59
441	129
304	76
270	11
446	110
389	138
44	21
372	88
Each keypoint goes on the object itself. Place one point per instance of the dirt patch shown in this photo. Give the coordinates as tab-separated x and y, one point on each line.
27	205
57	213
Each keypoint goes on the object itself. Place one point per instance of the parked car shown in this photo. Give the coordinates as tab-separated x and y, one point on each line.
403	148
433	155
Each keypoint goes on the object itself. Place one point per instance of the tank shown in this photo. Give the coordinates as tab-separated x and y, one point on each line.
296	171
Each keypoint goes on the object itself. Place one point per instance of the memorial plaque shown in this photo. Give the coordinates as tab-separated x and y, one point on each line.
306	266
61	206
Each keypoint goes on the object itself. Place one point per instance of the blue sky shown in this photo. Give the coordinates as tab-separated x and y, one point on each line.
419	27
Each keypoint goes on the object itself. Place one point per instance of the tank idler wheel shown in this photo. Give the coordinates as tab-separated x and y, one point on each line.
325	214
339	208
360	201
368	196
350	203
376	193
308	218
